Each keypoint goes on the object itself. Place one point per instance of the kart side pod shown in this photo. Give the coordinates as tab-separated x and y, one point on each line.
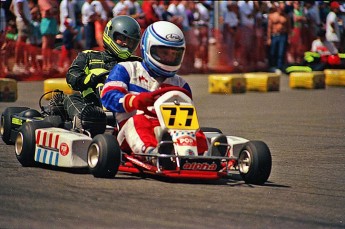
62	148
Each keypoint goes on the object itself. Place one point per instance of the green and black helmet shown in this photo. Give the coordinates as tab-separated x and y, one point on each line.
121	36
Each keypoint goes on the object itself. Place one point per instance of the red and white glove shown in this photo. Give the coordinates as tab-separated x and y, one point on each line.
138	102
146	99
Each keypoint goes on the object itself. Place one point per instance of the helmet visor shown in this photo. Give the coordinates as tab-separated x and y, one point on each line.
126	42
171	56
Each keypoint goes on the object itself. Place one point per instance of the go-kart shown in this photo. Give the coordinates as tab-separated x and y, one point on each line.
14	117
177	155
48	136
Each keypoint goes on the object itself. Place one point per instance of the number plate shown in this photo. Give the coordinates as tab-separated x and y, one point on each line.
180	117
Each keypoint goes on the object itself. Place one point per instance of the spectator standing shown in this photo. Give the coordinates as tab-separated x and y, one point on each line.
182	11
168	16
172	9
100	21
150	13
231	23
261	9
35	39
324	10
134	10
313	17
69	41
78	40
120	8
278	29
246	29
67	19
297	46
88	19
67	10
49	10
21	10
332	27
201	21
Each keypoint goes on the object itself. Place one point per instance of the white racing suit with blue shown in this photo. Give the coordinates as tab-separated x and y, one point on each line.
137	132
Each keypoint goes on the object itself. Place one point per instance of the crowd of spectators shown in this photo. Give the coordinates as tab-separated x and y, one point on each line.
43	36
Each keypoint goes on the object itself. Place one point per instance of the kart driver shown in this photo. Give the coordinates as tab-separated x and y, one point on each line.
130	86
88	72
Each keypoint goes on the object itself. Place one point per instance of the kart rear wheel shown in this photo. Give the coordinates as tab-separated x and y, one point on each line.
255	162
26	142
6	123
104	156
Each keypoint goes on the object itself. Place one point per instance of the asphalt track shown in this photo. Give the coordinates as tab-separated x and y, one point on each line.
305	130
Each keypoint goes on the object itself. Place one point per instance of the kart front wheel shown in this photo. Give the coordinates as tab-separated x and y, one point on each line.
255	162
104	156
6	123
26	142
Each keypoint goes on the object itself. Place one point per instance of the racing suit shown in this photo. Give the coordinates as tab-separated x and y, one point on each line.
82	76
137	130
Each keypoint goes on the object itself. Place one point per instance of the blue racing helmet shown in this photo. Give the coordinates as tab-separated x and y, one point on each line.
162	48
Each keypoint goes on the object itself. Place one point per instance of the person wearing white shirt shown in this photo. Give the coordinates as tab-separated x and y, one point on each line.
181	10
332	27
246	10
120	8
67	10
88	18
322	46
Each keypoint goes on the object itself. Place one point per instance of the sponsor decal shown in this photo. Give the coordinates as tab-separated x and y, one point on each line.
64	149
186	141
200	166
17	121
173	37
142	78
189	152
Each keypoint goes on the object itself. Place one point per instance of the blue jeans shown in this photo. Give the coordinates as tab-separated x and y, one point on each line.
277	51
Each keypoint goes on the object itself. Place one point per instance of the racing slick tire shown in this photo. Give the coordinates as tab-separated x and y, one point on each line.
104	156
255	162
26	141
6	123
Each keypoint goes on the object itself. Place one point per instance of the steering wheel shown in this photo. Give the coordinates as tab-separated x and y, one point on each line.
156	94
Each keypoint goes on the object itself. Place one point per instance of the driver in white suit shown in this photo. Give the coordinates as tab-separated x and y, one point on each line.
128	89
